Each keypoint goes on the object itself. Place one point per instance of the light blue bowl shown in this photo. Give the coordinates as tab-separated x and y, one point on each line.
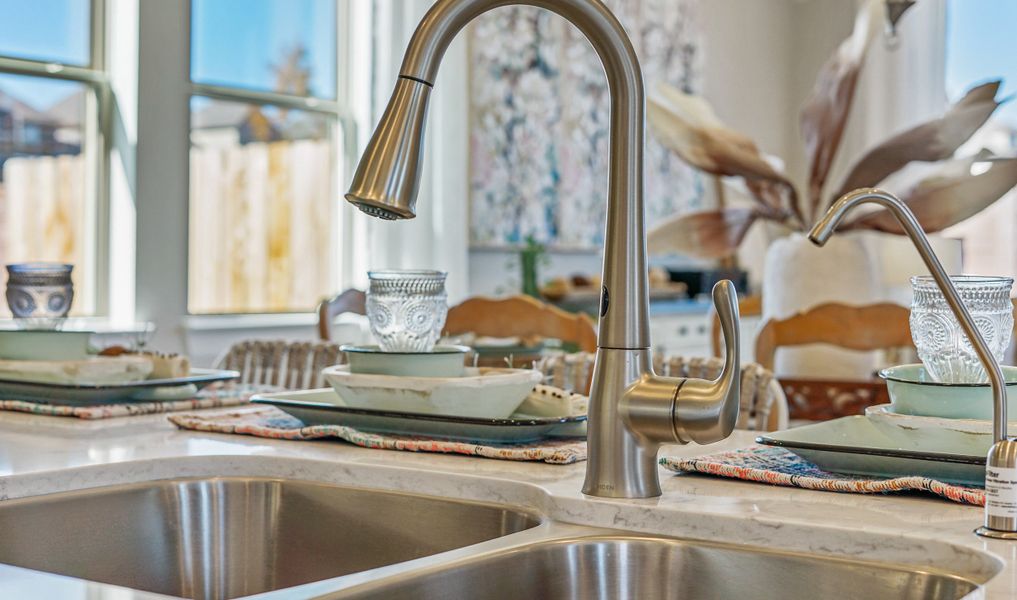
26	344
442	361
913	392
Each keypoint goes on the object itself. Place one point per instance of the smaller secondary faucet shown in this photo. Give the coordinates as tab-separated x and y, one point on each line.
1001	464
632	410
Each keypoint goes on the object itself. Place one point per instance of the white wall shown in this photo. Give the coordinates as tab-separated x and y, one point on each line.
748	68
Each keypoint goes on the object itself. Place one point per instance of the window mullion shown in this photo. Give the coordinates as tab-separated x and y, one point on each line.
22	66
309	104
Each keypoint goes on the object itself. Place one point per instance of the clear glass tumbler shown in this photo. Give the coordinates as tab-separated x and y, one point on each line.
407	309
945	351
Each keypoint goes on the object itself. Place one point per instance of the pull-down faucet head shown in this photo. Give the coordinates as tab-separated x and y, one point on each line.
388	176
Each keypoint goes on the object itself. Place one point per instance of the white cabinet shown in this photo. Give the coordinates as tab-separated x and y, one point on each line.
686	331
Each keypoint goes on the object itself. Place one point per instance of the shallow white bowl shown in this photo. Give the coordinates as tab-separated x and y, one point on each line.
97	370
479	393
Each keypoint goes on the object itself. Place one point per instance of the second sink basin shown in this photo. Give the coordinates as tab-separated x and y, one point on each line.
630	567
230	537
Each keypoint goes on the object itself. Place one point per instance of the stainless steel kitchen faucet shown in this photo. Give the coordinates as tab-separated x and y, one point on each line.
632	410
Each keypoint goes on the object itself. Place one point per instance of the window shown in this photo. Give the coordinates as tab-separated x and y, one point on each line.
53	31
51	83
266	129
978	49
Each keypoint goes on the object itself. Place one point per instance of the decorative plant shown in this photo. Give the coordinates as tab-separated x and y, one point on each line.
953	192
530	256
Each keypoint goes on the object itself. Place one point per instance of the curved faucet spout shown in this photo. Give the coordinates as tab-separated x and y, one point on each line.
623	443
387	178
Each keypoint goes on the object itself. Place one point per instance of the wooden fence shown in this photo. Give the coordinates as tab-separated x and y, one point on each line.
45	218
261	220
260	226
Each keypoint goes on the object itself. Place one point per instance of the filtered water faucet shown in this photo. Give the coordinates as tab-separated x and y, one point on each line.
1001	462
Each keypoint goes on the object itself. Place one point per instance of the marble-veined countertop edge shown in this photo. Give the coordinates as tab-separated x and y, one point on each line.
907	529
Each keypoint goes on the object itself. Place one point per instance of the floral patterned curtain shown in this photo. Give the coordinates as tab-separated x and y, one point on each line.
539	122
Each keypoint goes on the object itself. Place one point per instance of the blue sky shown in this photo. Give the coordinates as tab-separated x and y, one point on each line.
982	44
234	42
55	30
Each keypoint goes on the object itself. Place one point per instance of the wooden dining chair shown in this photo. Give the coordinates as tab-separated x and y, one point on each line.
866	328
351	301
281	363
521	316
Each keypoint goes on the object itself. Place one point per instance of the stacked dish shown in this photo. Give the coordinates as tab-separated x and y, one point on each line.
408	385
58	367
932	429
429	394
939	420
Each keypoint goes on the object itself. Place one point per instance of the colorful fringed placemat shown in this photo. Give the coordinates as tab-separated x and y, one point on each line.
270	422
211	397
777	466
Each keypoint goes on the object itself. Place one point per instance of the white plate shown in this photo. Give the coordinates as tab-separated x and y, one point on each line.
860	446
480	393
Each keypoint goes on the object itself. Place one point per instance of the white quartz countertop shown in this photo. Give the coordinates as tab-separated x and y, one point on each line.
40	454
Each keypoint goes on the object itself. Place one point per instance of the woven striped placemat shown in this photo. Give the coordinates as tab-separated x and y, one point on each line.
270	422
777	466
214	396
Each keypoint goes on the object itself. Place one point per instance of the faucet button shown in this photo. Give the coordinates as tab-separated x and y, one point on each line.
605	299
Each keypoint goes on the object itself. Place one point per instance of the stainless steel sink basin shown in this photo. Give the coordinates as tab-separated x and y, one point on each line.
224	538
647	568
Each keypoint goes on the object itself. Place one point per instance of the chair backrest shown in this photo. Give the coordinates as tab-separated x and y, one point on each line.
748	306
871	327
763	405
521	316
289	365
351	301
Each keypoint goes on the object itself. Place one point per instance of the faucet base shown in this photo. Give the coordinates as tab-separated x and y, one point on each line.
622	464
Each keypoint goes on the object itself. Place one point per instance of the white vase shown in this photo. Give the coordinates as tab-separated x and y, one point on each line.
799	275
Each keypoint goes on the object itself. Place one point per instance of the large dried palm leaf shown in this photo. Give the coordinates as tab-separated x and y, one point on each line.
688	126
825	113
931	141
706	234
947	199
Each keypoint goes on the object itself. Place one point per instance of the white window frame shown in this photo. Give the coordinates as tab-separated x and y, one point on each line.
343	143
96	147
160	189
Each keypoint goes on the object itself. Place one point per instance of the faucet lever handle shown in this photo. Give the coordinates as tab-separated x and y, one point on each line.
707	411
725	300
